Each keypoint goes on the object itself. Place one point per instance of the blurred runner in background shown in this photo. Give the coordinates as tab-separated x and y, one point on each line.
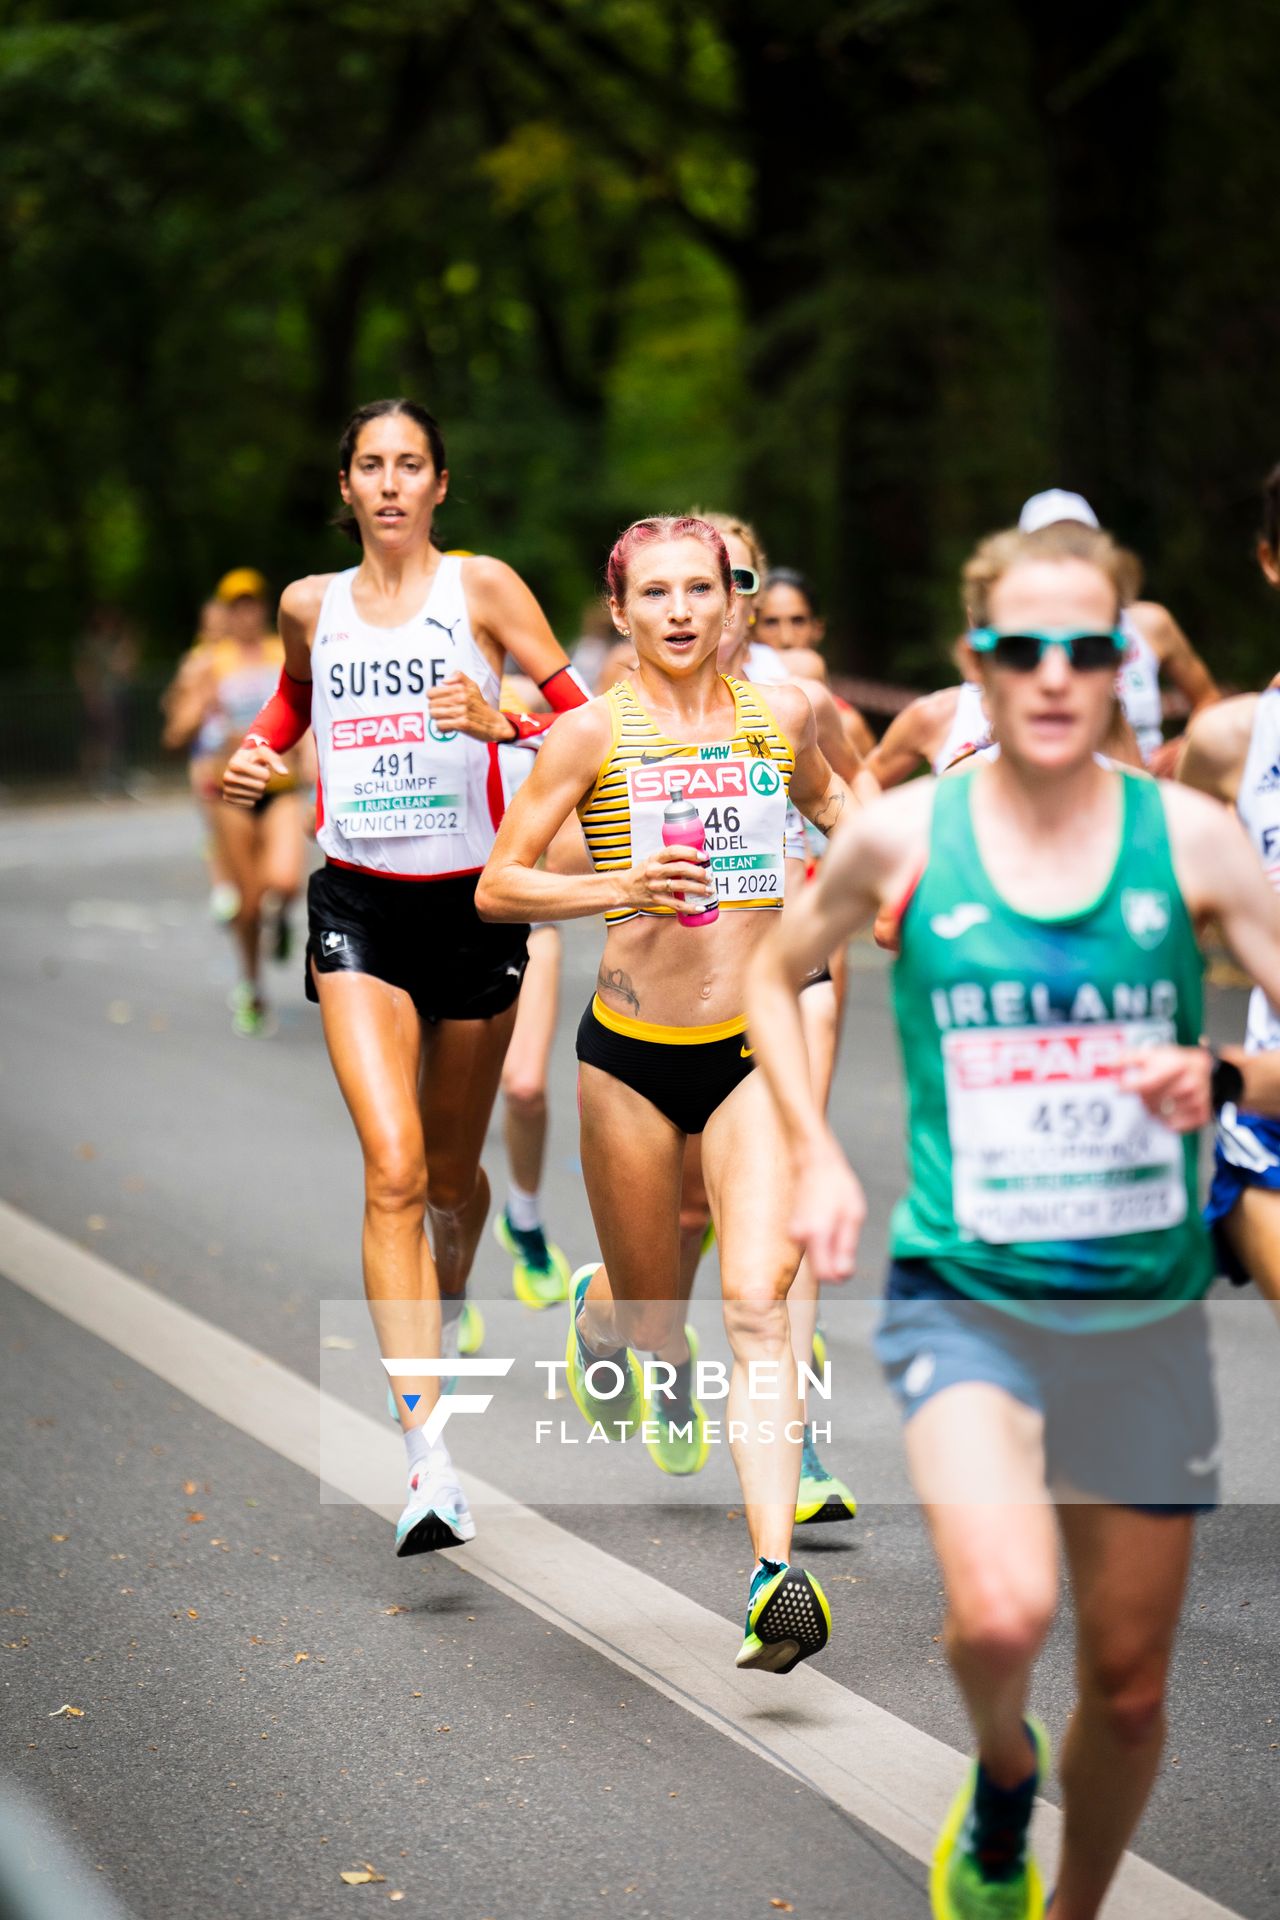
1232	750
787	617
104	665
202	769
258	855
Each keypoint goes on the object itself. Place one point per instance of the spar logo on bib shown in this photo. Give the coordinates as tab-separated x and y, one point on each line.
379	730
765	779
1147	915
701	780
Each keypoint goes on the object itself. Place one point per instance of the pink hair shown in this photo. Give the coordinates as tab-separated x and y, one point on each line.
664	526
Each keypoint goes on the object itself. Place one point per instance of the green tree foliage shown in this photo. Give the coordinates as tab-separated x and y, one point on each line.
867	271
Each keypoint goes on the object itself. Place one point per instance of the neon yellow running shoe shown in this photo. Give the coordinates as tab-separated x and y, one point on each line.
540	1276
820	1497
682	1445
819	1360
470	1328
961	1886
621	1415
251	1018
788	1619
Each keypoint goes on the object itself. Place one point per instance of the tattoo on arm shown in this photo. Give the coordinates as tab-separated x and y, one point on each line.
826	815
616	981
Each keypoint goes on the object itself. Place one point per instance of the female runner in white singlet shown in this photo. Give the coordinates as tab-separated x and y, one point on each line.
396	665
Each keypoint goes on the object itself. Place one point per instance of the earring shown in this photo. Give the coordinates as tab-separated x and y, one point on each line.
626	633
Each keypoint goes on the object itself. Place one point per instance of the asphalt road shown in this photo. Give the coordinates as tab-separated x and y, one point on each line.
267	1696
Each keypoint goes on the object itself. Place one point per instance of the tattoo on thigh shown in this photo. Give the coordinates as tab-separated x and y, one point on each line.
616	981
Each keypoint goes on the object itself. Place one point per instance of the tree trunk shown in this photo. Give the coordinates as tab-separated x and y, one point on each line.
1100	93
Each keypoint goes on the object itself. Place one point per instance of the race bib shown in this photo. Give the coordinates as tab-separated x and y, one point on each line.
395	774
743	806
1047	1145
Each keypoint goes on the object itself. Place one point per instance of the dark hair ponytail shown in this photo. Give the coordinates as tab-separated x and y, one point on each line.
345	519
799	582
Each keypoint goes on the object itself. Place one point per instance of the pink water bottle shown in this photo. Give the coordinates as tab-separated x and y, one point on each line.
682	827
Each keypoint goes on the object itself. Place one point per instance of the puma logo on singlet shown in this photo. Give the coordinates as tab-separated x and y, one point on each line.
949	926
445	626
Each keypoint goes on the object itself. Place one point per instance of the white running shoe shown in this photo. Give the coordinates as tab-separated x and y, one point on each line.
437	1514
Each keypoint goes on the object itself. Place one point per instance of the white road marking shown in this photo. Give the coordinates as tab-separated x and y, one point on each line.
886	1774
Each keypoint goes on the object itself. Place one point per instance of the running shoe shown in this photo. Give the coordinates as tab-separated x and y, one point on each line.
620	1416
470	1331
821	1497
788	1619
982	1869
819	1360
250	1016
437	1514
540	1276
682	1446
224	903
277	933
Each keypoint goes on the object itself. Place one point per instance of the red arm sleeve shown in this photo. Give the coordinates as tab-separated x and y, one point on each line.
563	690
286	716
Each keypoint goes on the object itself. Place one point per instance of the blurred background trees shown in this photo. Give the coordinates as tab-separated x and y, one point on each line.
868	273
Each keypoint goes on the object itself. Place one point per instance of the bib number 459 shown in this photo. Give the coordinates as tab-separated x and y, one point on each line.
1069	1119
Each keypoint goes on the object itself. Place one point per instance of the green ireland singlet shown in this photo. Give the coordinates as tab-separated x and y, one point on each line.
1034	1175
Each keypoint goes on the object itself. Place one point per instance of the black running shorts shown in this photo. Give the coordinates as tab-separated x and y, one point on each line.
685	1077
424	936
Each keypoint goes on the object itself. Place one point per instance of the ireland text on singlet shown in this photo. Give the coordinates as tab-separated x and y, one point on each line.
1034	1174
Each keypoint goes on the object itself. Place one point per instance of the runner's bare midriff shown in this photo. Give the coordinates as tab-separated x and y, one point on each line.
676	976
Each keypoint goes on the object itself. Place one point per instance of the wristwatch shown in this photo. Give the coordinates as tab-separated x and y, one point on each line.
1226	1082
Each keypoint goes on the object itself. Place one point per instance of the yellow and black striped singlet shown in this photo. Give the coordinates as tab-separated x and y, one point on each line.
637	741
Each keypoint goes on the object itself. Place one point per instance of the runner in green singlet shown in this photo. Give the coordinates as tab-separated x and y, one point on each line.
1043	1332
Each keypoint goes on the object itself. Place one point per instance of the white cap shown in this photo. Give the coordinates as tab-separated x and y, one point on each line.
1044	509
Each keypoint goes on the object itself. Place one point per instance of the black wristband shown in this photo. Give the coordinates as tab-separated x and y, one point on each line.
1226	1082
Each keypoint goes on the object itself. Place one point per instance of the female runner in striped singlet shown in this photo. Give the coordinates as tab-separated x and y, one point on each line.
663	1046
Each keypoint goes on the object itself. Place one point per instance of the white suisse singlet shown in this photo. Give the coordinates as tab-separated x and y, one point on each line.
1138	687
766	667
970	728
397	795
1258	804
